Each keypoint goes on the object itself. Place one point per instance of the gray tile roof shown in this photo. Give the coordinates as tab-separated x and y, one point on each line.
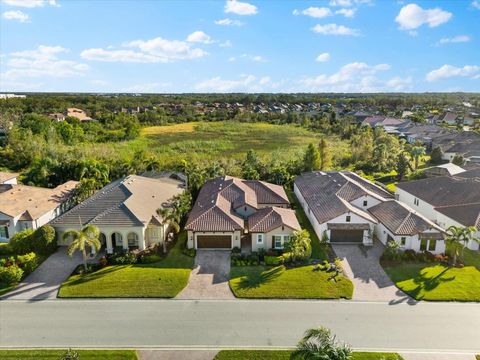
271	218
400	219
129	201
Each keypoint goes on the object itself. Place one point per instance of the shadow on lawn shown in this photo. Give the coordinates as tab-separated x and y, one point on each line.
255	280
96	275
428	283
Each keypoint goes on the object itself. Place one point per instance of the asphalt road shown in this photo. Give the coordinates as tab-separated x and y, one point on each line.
452	327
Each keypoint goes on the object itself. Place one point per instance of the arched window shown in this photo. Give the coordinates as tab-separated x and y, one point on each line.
117	239
102	238
132	239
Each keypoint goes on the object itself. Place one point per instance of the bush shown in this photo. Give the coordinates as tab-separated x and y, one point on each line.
428	256
44	240
150	259
123	259
10	275
70	355
28	262
410	255
273	260
190	252
5	249
236	250
21	242
287	257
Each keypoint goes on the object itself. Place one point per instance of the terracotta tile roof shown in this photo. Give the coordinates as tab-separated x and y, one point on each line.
270	218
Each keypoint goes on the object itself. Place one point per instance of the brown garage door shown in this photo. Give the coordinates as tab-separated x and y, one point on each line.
346	236
214	241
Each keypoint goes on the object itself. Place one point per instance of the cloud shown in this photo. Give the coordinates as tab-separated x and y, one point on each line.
16	15
349	13
314	12
30	3
98	82
455	39
146	51
343	3
254	58
145	87
199	37
228	22
356	76
448	71
334	29
226	44
42	62
240	8
476	4
246	83
399	83
412	16
323	57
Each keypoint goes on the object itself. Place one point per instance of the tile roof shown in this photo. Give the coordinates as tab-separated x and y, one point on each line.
31	202
400	219
328	194
129	201
270	218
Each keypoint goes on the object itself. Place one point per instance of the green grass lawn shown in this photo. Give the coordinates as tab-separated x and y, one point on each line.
439	283
214	141
164	279
6	288
282	283
317	251
285	355
56	354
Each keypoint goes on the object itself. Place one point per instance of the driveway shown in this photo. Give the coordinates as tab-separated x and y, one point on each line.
45	281
209	278
362	266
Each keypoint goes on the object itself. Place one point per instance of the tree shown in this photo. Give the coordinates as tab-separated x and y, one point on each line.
468	234
312	158
325	156
458	160
416	152
320	344
44	242
455	241
402	166
169	220
299	245
436	155
88	236
252	167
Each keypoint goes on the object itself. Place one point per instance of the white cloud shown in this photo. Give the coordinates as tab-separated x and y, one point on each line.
455	39
314	12
99	82
42	62
343	3
16	15
334	29
255	58
349	13
447	71
226	44
146	51
232	59
145	88
476	4
412	16
240	8
246	83
399	83
228	22
323	57
199	37
356	76
264	80
30	3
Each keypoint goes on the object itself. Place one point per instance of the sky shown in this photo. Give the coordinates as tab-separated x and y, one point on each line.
239	46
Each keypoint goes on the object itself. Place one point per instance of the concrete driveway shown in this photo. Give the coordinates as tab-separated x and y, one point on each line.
362	266
45	281
209	278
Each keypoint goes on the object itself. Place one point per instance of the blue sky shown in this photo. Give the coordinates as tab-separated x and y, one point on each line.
239	46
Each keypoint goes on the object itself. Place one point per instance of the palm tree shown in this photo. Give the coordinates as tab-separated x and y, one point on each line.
455	241
468	234
88	236
416	152
170	218
320	344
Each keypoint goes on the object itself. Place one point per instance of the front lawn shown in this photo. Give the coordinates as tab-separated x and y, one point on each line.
56	354
285	355
288	283
438	282
163	279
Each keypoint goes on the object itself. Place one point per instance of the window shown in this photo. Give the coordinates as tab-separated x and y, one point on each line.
132	239
4	232
259	238
277	242
365	202
432	245
403	241
423	244
348	218
416	201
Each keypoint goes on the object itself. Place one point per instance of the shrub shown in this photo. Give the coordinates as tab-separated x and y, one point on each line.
28	262
190	252
410	255
44	240
5	249
441	258
150	259
273	260
10	275
236	250
429	256
70	355
103	261
21	242
123	259
287	257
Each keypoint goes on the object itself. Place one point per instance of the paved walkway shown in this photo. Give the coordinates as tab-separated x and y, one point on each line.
45	281
177	354
209	278
371	283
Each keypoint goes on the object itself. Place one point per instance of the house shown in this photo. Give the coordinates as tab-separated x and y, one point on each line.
57	116
29	207
466	144
8	178
125	212
248	214
446	200
345	208
79	114
448	169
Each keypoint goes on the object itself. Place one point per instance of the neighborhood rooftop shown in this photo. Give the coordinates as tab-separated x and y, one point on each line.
268	219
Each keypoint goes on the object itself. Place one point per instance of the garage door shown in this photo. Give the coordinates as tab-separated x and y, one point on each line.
214	241
346	236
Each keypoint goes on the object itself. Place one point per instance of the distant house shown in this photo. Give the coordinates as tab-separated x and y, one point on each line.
449	118
466	144
248	214
79	114
446	200
29	207
125	211
57	116
8	178
448	169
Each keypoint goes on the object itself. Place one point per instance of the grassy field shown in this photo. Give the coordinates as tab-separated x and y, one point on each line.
56	354
217	140
439	283
164	279
285	355
282	283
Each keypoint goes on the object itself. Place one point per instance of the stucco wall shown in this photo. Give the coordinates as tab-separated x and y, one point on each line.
267	238
192	237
